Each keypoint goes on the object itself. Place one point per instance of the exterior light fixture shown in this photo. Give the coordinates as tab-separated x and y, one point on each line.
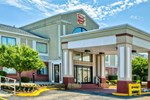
101	53
133	51
87	51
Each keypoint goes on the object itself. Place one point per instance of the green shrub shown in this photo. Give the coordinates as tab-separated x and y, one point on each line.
136	77
2	73
107	81
112	77
144	78
25	79
113	81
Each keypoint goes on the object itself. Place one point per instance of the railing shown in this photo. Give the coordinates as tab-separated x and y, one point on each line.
134	88
7	82
98	81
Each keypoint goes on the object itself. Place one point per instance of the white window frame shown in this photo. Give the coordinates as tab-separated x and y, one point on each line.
41	54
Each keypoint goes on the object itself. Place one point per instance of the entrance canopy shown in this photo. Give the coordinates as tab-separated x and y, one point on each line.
107	39
121	40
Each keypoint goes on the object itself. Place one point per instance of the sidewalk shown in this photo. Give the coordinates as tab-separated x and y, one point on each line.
5	94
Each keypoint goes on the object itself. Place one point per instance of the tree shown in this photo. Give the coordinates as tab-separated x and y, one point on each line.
21	58
140	67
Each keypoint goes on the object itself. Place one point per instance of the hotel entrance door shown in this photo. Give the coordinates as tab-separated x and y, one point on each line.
83	74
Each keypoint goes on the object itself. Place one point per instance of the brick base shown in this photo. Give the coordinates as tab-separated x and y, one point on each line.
122	86
148	84
103	83
67	80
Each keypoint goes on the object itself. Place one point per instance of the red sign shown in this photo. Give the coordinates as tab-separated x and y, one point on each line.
81	19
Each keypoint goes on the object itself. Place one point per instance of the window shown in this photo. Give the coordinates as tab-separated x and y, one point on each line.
107	58
9	70
79	56
86	57
79	29
43	71
8	40
41	47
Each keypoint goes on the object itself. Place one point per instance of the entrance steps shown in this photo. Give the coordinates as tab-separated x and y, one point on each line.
89	86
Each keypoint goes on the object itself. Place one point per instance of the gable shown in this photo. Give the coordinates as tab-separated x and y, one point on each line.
79	18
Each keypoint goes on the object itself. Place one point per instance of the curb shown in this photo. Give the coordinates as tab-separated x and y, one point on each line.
37	93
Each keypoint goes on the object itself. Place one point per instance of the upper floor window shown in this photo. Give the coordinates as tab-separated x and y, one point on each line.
79	29
41	47
8	40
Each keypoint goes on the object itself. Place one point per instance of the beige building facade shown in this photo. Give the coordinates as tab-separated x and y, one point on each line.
74	48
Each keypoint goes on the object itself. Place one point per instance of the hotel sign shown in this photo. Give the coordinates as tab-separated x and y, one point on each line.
81	19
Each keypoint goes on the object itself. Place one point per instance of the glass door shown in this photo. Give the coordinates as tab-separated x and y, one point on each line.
56	73
83	74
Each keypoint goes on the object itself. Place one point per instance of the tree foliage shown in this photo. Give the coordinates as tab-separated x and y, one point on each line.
140	67
21	58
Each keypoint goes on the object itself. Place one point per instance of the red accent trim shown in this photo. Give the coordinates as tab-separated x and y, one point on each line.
60	72
122	86
148	84
67	80
52	71
124	34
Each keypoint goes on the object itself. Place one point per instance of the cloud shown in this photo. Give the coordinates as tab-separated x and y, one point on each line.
16	3
135	17
96	10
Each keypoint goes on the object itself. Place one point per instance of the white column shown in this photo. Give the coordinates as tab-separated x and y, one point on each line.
124	62
148	65
94	66
64	29
102	65
98	65
65	62
70	63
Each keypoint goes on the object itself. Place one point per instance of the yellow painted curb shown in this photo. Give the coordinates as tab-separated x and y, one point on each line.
120	94
38	92
1	98
146	93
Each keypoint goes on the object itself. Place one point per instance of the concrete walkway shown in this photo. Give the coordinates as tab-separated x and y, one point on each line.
5	94
77	95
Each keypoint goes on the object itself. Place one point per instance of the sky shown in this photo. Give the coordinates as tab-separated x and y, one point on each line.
105	12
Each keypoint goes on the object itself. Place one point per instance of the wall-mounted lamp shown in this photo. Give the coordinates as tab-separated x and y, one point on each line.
101	53
87	51
134	51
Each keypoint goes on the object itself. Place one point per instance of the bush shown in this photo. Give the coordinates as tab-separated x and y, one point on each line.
113	81
25	79
2	73
112	77
145	78
136	77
